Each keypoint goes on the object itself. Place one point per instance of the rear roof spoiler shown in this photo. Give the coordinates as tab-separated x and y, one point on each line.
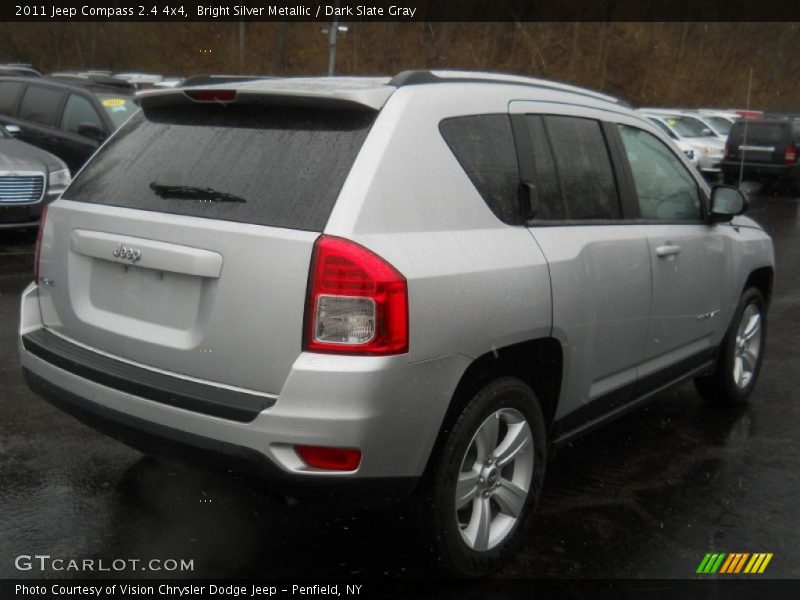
277	91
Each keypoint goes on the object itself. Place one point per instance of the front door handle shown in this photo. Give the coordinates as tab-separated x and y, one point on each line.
667	251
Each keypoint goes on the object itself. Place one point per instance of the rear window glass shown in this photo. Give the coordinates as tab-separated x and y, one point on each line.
276	166
484	146
760	134
9	96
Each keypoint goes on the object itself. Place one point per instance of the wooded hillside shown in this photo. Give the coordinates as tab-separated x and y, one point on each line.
682	64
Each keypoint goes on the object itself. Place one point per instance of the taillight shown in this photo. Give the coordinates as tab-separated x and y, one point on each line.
330	459
357	302
727	151
791	155
38	250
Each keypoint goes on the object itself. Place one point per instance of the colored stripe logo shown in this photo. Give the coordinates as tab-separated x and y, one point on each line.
734	563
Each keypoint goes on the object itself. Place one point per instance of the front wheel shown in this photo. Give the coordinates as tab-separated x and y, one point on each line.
485	481
741	353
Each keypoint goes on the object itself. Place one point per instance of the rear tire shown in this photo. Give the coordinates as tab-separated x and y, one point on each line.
740	354
483	484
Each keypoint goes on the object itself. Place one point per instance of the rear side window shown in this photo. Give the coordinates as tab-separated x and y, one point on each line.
79	111
549	202
278	166
484	146
9	96
584	168
41	105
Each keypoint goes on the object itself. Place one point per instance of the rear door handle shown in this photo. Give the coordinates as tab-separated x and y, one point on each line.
667	251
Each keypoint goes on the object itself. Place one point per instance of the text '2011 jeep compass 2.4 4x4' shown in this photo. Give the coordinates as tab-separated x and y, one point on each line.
406	287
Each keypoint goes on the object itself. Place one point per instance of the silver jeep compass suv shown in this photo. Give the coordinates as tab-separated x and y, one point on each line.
375	288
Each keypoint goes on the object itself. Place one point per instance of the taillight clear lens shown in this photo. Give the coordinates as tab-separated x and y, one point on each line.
357	302
344	320
38	250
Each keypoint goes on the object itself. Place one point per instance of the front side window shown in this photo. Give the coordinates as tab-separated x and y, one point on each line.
79	111
665	188
119	108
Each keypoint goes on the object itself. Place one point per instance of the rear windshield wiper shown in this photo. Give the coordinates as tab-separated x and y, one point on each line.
189	192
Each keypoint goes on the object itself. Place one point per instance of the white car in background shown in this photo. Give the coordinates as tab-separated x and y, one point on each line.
691	131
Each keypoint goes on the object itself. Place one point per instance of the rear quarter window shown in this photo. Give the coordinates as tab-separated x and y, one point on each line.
484	147
286	164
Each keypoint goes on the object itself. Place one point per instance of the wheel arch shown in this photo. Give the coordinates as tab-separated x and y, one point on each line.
537	362
762	279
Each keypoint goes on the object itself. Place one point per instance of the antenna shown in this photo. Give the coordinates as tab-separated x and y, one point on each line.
744	135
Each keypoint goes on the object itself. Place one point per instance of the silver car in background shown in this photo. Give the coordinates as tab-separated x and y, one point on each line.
708	147
30	178
409	288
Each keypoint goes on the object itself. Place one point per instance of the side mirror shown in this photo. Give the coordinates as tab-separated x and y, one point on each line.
707	132
91	131
13	130
726	202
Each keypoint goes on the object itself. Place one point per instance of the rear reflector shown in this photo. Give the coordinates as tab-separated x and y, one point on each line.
38	250
212	95
330	459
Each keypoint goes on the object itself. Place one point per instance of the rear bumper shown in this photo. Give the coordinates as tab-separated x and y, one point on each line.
165	442
761	170
387	407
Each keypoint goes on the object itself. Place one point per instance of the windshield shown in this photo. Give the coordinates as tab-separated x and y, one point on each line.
120	108
687	126
663	127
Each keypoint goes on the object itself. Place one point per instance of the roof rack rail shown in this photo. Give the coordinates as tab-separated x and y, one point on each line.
420	77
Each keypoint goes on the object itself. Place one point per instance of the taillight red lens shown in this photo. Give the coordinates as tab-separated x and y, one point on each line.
791	155
330	459
38	250
357	302
212	95
727	151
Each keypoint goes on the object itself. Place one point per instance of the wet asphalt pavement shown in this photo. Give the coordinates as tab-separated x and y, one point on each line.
647	496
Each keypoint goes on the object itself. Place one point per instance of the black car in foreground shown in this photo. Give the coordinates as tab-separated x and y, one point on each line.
29	179
67	116
764	150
